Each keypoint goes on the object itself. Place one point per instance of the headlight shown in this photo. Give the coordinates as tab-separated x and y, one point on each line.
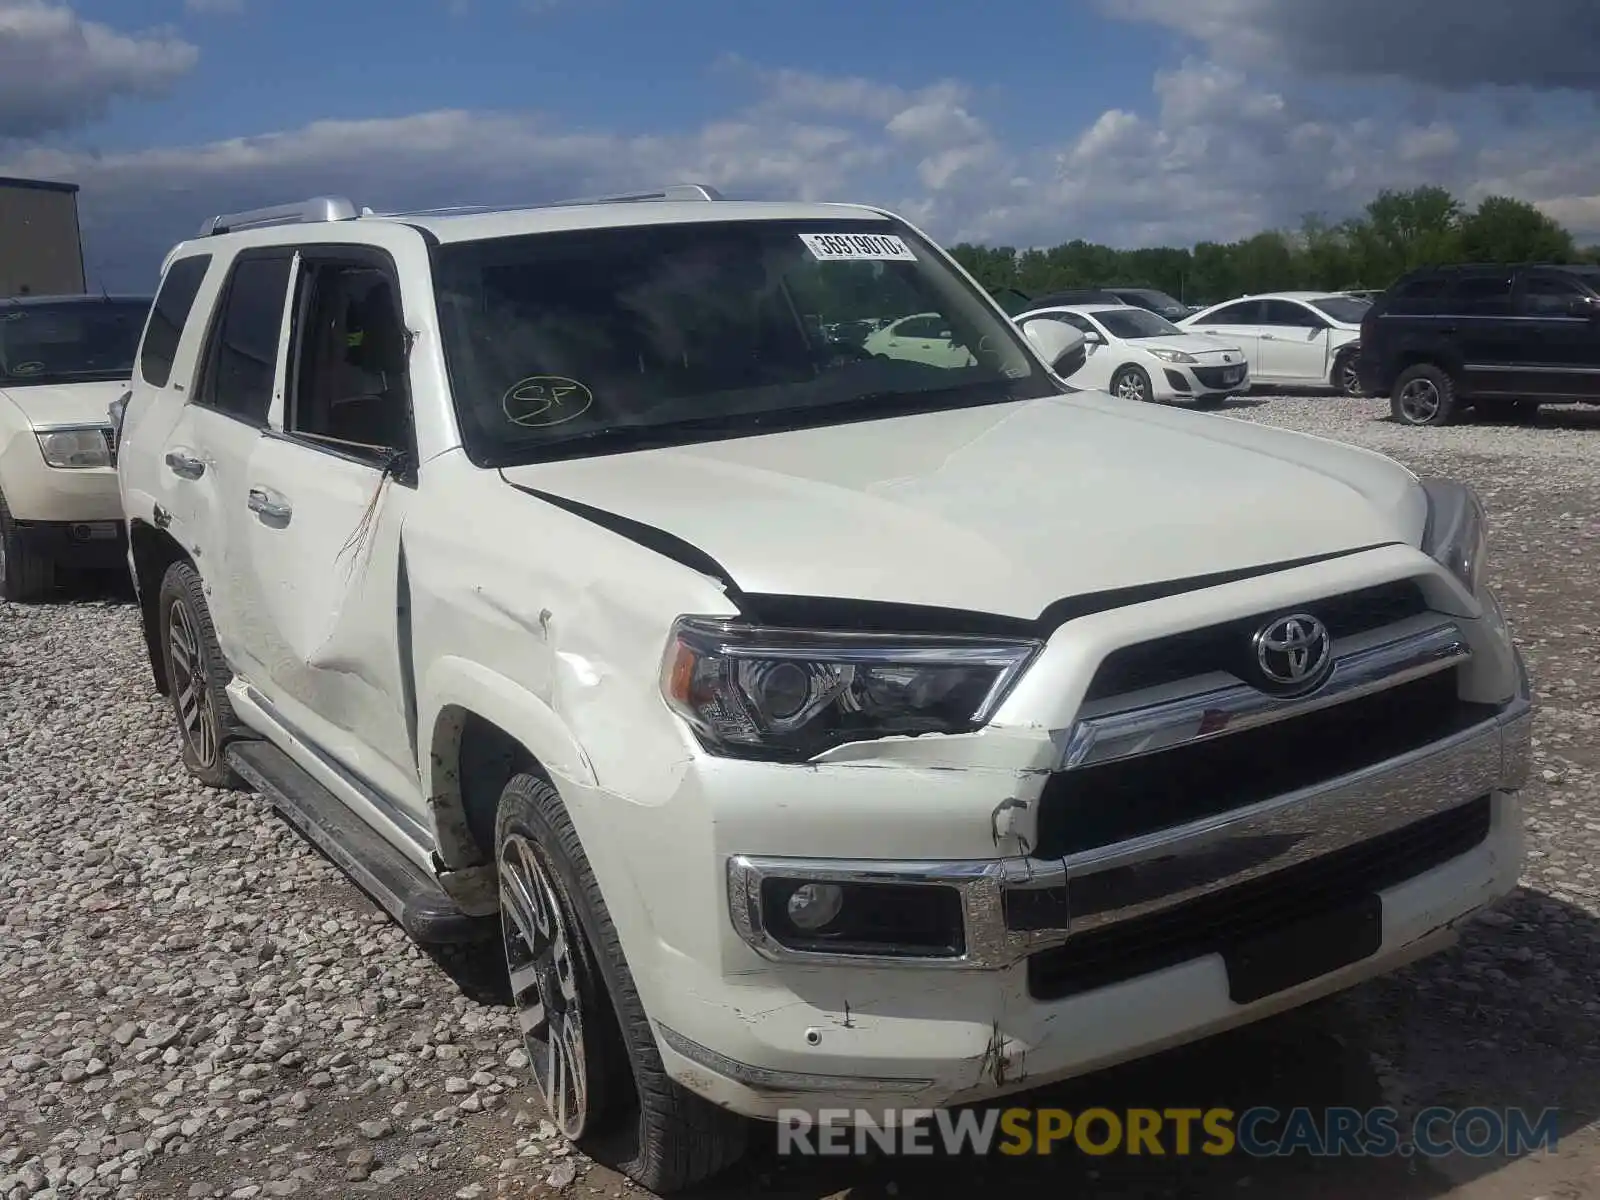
1457	533
74	447
791	694
1174	356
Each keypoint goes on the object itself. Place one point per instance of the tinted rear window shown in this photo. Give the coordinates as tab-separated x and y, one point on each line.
167	319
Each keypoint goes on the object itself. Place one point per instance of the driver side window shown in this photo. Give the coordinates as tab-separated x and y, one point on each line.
1288	315
350	373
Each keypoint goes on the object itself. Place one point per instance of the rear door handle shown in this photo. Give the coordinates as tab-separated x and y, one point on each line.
267	508
1269	337
185	466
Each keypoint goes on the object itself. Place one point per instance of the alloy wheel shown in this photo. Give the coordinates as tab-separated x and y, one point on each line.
1349	379
1419	401
196	714
1130	387
541	958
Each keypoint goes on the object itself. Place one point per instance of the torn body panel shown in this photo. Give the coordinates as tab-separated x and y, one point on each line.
321	629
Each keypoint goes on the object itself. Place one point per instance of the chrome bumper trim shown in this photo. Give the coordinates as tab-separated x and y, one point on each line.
1359	670
1174	865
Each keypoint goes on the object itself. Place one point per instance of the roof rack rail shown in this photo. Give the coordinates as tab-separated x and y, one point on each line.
672	192
319	208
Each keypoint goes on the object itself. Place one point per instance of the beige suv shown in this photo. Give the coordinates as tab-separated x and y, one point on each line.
63	362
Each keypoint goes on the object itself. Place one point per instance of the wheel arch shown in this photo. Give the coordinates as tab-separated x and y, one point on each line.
151	553
482	729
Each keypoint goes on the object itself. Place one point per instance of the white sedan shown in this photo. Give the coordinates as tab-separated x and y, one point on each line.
1137	355
1299	339
921	337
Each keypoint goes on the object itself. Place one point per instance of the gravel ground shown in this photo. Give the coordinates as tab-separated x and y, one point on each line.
194	1003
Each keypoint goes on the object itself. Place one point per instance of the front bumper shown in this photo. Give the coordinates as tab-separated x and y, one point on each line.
76	545
806	1031
1207	380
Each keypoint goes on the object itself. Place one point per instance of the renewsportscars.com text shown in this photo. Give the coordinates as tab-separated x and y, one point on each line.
1215	1132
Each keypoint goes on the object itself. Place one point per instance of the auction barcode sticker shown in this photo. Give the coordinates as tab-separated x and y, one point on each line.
871	246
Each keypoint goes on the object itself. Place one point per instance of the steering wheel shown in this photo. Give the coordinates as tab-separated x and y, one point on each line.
843	353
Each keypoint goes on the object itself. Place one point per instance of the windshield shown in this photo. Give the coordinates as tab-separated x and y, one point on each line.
1155	301
1133	322
1347	309
74	341
604	340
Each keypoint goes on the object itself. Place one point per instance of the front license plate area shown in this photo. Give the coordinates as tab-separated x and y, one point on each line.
1304	950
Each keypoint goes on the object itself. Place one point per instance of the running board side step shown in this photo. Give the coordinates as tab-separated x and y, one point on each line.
407	893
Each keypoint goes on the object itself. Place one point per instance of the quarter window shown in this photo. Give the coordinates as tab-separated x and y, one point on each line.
168	317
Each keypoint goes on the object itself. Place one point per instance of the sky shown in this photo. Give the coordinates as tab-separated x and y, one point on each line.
1016	122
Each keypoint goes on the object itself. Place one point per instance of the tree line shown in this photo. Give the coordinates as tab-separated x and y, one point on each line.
1396	232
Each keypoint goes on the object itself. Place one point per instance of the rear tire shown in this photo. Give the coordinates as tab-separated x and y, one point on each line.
197	679
575	996
24	576
1423	395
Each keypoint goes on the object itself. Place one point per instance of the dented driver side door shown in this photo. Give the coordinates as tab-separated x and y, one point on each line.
317	532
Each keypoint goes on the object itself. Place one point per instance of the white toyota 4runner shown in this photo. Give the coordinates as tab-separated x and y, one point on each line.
825	728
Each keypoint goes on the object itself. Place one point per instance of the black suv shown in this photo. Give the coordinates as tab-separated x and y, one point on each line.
1500	339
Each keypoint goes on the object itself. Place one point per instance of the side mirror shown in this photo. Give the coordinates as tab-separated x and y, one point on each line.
1055	341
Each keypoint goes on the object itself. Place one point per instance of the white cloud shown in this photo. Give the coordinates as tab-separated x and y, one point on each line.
58	70
1216	156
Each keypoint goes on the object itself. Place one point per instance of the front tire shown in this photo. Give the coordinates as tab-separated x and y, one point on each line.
24	576
591	1046
196	678
1423	395
1346	380
1131	383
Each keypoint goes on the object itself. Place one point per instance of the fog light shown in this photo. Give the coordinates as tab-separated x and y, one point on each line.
813	906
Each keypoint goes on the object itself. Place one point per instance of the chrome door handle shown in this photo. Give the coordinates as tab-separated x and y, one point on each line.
268	508
185	467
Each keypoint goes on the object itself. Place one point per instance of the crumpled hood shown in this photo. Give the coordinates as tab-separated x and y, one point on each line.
1002	509
65	403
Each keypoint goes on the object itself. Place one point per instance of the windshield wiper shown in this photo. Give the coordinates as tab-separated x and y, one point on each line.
862	406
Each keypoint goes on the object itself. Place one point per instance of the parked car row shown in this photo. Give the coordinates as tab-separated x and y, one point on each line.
544	569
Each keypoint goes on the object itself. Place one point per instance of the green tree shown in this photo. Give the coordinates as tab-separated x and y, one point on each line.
1507	230
1398	231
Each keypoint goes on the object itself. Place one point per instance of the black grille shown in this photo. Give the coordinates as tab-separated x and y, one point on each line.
1226	647
1100	805
1217	377
110	436
1215	923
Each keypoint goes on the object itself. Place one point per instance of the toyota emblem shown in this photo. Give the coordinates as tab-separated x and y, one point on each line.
1294	654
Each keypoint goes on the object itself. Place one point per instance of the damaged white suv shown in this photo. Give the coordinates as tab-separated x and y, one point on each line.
824	727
